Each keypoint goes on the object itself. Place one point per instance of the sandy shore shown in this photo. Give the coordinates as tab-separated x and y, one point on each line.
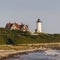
9	50
7	53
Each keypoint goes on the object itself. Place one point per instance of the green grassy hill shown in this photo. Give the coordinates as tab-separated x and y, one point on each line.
19	37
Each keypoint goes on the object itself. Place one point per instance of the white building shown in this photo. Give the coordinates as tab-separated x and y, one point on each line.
38	26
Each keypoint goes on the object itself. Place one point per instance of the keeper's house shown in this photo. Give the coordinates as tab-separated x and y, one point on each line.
15	26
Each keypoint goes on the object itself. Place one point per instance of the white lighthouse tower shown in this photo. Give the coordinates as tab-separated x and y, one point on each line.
39	26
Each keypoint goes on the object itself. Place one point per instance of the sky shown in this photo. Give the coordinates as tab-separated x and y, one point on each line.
28	11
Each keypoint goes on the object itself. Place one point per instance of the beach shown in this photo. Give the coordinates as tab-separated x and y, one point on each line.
10	50
5	53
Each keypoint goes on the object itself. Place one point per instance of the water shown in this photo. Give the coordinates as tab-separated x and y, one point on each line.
42	55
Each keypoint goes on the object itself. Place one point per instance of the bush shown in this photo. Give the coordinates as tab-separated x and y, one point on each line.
15	37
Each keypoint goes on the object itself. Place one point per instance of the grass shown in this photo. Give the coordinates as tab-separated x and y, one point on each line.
11	47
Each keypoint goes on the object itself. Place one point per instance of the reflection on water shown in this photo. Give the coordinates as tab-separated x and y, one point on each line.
43	55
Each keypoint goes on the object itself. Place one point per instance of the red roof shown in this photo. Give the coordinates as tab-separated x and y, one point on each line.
18	26
8	25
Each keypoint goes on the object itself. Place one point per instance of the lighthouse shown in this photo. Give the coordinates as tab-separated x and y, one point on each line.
39	26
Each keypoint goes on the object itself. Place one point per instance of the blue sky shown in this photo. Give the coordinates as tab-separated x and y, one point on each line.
28	11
